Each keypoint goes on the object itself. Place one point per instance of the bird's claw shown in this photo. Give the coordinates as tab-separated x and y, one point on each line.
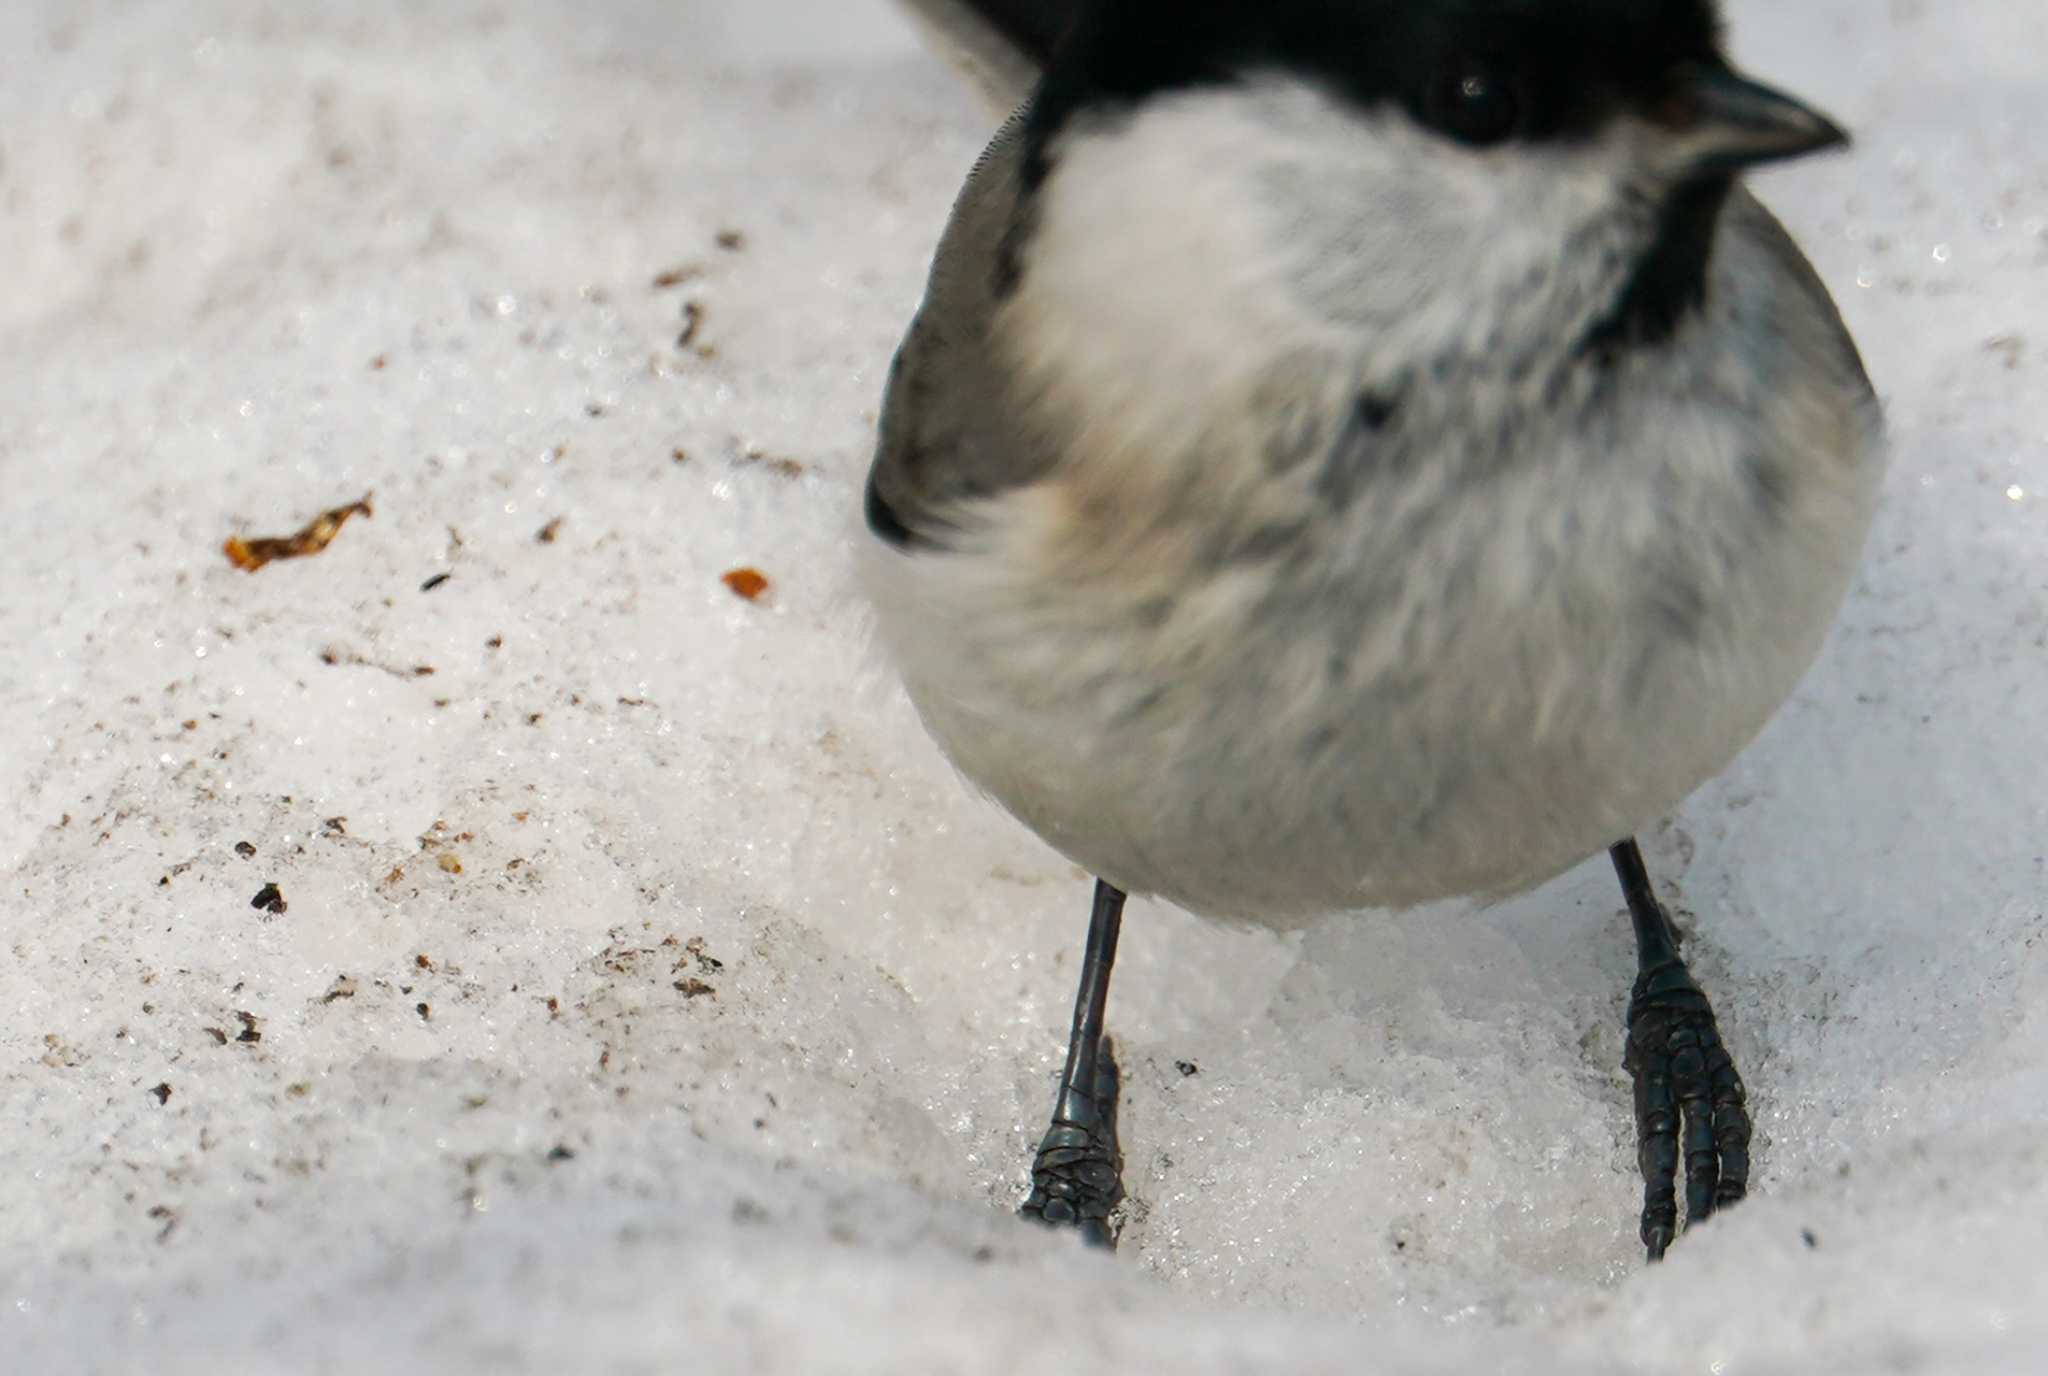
1687	1093
1077	1175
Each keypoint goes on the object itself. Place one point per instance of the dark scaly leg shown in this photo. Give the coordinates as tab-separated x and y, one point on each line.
1685	1082
1077	1176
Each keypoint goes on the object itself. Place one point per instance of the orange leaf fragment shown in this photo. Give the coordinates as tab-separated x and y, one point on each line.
749	583
316	535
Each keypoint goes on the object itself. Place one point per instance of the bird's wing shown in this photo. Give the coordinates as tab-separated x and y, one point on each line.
948	435
947	439
1002	45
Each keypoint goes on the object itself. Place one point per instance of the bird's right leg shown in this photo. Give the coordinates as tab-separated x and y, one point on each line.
1077	1175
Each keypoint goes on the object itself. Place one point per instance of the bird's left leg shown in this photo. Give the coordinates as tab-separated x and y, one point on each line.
1686	1086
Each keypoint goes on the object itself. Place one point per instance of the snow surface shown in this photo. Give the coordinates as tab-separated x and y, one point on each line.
263	258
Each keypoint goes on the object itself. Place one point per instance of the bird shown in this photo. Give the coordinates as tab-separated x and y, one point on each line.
1357	453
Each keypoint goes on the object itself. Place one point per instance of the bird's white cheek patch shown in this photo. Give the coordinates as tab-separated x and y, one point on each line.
1176	254
1153	298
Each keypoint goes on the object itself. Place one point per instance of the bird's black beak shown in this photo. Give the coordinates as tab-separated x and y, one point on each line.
1723	122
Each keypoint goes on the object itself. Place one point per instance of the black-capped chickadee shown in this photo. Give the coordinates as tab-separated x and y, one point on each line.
1357	452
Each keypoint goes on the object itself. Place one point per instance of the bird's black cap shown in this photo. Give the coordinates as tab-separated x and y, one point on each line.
1494	69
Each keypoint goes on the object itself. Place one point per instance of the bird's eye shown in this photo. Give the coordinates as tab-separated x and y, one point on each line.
1474	105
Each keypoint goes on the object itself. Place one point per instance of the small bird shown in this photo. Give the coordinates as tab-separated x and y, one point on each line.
1354	453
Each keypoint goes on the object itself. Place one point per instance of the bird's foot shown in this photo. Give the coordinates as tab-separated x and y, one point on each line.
1077	1175
1687	1091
